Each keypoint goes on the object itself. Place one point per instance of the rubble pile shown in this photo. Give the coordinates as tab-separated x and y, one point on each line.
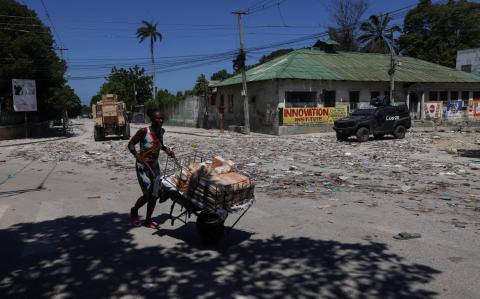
422	166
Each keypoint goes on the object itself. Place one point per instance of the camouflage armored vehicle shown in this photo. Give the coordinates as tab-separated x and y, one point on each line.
110	116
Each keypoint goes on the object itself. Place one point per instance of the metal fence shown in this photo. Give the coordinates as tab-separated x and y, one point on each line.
8	118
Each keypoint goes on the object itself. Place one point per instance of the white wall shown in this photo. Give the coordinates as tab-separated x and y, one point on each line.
342	89
472	57
270	95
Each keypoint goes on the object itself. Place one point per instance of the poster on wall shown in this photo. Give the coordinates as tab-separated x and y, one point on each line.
312	116
433	110
476	108
24	95
454	109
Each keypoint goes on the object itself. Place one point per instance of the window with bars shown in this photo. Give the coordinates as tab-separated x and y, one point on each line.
354	99
300	99
433	96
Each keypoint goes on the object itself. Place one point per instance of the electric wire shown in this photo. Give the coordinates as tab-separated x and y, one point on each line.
51	23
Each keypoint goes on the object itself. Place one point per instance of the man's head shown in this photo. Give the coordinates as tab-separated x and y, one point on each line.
156	117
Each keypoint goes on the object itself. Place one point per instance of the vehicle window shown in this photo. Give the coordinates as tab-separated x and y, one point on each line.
363	112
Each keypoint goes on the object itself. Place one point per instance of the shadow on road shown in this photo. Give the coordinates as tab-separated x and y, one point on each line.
97	257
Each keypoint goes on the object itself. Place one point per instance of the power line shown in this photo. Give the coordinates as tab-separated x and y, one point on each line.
51	24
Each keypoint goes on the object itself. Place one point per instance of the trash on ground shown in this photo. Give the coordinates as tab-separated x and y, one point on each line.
407	236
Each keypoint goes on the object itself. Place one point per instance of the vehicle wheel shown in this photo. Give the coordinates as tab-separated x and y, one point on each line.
363	134
96	134
399	132
341	137
126	132
378	136
210	227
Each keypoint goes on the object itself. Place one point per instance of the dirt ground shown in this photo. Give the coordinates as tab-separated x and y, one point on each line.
322	225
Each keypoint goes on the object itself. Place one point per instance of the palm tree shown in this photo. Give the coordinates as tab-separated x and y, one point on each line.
149	30
374	37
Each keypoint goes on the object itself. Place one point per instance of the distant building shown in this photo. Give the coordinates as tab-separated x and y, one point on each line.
305	90
469	61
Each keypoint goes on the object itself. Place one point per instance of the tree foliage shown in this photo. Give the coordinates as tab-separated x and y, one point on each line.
273	55
346	15
376	34
220	75
201	85
28	54
435	32
124	83
164	98
149	30
65	99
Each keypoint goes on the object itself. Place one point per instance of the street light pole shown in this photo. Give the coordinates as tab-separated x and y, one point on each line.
244	76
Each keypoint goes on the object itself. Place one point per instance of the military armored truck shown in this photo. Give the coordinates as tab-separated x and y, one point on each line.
378	121
110	116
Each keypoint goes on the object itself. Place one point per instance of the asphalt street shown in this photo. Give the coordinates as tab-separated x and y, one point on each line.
322	225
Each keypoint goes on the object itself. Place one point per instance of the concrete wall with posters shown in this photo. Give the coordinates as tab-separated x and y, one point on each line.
342	98
469	60
267	97
447	94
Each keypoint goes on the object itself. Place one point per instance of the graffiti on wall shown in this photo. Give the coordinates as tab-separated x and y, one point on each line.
454	109
476	108
312	116
433	110
267	117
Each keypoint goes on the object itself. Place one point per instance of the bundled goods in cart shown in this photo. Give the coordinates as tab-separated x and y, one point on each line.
215	184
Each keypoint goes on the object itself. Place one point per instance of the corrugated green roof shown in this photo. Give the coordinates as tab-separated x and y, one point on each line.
350	66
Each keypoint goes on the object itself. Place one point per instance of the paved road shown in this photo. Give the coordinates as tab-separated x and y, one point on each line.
71	238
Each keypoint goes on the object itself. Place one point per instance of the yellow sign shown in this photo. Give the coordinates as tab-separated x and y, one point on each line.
313	116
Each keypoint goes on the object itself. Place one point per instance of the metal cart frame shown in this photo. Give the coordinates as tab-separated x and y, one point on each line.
210	220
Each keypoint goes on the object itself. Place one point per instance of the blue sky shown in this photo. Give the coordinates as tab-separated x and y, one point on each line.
101	33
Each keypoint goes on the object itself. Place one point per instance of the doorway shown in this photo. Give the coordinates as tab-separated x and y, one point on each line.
414	105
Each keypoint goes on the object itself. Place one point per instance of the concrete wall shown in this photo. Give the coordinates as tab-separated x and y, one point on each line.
18	131
342	90
469	57
423	91
269	96
184	113
263	105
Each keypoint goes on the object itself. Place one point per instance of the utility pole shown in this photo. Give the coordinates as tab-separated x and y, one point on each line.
65	112
205	95
61	51
244	76
391	71
134	93
153	83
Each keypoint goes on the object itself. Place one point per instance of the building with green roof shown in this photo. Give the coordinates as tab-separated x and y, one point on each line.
313	78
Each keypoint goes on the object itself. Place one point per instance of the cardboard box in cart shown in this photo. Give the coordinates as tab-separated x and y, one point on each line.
217	185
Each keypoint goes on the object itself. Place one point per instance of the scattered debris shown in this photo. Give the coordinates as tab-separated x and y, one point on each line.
407	236
452	151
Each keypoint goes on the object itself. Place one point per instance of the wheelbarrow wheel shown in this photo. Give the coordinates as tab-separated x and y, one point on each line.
210	227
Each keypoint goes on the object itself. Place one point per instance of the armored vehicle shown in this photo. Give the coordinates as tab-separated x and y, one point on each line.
378	121
110	118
